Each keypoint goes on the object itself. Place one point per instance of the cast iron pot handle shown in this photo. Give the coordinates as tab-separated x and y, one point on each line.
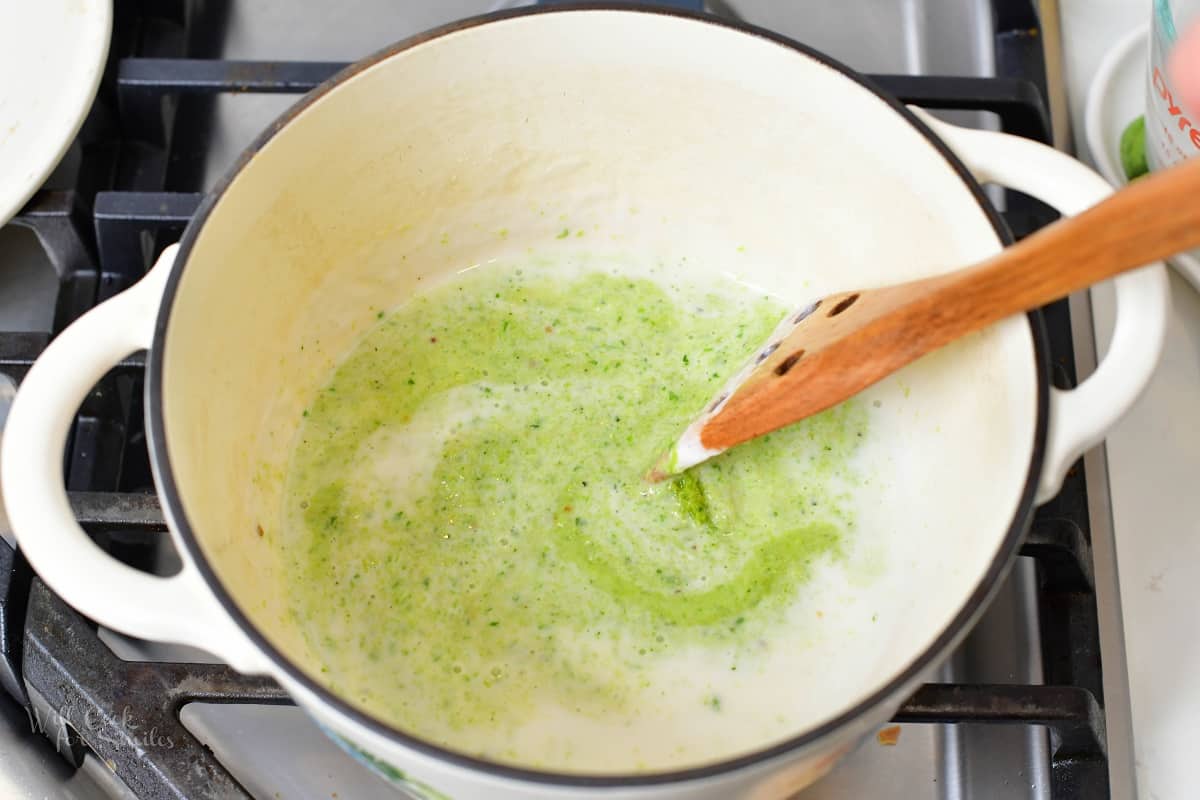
1080	417
179	608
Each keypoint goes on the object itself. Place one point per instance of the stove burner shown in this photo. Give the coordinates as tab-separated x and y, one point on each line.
127	712
81	696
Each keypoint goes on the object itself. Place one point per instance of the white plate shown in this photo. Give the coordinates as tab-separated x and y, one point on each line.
1116	97
52	55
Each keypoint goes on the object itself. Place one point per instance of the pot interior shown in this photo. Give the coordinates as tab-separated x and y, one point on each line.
661	139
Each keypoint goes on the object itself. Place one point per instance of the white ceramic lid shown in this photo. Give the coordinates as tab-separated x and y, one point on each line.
52	55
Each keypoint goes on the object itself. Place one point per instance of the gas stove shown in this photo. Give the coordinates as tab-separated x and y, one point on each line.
1033	705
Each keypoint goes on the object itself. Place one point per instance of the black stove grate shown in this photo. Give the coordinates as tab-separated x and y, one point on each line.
103	234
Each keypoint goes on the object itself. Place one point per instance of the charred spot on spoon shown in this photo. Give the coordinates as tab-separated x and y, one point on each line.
766	351
843	305
805	313
788	363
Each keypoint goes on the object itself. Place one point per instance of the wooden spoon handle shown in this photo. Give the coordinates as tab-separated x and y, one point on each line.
1155	217
823	362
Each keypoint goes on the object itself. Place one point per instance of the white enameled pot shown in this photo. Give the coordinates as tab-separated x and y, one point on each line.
664	135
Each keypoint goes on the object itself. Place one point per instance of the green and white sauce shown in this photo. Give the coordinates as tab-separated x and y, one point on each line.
474	556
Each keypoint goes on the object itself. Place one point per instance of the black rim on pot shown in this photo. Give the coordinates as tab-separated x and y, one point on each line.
971	609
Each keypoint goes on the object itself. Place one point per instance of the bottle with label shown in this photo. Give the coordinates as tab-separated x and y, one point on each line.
1172	131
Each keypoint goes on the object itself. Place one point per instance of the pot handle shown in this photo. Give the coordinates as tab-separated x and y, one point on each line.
1079	417
179	608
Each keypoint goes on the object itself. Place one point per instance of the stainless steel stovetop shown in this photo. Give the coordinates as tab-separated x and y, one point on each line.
276	752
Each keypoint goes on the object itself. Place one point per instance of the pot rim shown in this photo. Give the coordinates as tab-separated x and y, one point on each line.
958	627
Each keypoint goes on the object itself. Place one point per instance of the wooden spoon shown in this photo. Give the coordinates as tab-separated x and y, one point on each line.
843	343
